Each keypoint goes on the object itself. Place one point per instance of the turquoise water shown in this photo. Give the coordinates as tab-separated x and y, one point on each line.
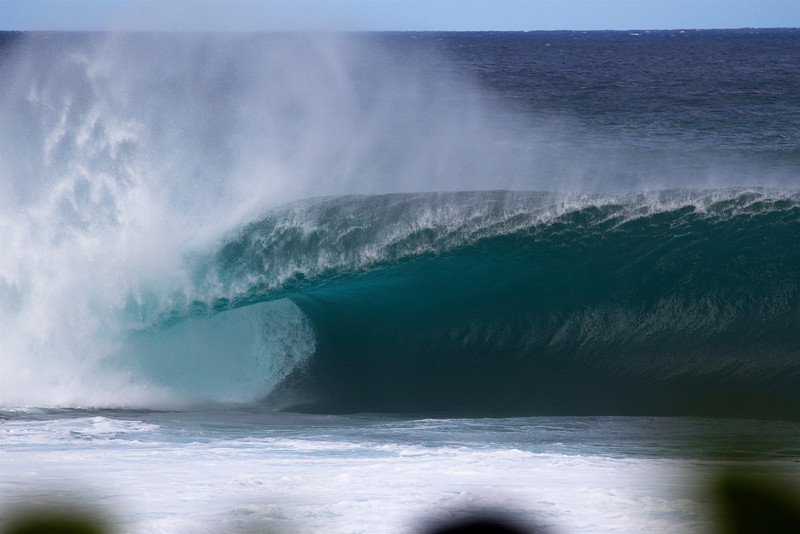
668	303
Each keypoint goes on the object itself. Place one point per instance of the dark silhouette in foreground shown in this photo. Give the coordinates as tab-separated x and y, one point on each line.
743	504
748	504
480	526
54	521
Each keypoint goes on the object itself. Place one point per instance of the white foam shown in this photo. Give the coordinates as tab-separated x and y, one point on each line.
242	472
337	486
312	475
51	432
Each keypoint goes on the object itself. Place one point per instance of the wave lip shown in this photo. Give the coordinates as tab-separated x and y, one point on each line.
306	242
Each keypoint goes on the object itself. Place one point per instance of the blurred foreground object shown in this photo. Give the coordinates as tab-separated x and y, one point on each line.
744	503
478	526
748	503
54	520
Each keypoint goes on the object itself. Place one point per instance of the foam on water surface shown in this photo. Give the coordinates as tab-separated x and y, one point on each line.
169	472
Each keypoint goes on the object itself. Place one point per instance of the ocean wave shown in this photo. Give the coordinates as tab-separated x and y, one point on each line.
663	302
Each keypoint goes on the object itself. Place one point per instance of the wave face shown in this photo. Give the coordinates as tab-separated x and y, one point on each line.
497	302
156	251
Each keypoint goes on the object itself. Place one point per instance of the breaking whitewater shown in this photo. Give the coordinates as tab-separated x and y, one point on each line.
372	282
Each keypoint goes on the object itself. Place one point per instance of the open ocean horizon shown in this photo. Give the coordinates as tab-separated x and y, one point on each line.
375	282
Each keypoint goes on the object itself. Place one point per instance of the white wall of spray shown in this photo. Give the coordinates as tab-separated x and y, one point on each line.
123	154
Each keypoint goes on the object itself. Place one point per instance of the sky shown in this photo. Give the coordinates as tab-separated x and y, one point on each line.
402	15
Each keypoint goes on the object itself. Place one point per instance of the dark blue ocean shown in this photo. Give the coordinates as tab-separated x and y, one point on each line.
370	282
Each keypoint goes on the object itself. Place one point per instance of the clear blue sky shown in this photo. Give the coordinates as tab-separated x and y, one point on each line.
378	15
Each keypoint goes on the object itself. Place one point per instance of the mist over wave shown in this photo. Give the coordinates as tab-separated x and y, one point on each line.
161	246
122	153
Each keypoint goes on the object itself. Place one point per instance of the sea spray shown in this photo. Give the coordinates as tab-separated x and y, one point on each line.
125	156
150	188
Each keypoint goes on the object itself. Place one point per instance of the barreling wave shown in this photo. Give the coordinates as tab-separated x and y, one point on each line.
677	302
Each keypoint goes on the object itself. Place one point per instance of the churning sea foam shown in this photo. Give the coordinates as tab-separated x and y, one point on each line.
124	155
